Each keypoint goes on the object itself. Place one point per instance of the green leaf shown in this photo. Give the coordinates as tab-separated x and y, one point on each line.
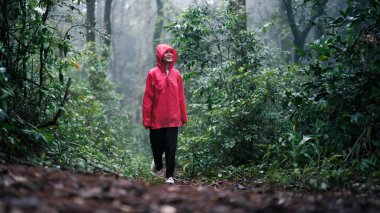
305	139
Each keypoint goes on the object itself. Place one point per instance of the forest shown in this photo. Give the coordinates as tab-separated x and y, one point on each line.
284	93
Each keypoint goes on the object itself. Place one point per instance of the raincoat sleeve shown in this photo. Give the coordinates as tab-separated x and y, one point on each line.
182	103
148	102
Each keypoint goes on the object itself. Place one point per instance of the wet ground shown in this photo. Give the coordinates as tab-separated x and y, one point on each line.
39	189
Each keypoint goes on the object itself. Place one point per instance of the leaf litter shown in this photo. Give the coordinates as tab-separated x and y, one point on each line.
39	189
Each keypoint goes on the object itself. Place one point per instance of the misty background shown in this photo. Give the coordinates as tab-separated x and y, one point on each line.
133	26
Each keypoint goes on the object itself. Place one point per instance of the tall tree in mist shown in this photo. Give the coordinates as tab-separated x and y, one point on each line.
90	20
300	33
159	24
107	21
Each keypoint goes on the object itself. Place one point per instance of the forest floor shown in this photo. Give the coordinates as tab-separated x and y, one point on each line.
39	189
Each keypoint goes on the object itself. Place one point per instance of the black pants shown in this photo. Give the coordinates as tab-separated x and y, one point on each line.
164	140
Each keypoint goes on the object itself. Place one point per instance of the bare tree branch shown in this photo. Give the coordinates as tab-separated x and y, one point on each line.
54	121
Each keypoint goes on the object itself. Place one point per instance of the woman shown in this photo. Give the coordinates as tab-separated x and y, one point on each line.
164	108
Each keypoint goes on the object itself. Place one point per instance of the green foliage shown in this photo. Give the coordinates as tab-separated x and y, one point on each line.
345	86
57	107
27	46
313	126
95	131
5	92
228	106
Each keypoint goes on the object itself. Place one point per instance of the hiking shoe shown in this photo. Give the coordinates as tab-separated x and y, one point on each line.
169	180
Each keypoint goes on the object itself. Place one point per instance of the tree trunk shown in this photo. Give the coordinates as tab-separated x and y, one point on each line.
320	29
90	20
107	22
158	26
119	12
299	37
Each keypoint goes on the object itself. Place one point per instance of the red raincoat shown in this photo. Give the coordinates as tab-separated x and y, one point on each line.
164	99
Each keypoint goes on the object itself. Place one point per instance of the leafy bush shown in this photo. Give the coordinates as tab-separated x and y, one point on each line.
313	125
232	108
57	106
344	88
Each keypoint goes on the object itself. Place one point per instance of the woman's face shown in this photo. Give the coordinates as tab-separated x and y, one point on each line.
168	56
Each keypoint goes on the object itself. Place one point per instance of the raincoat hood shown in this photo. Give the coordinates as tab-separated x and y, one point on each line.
160	50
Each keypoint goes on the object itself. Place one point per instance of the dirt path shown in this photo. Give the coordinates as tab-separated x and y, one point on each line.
39	189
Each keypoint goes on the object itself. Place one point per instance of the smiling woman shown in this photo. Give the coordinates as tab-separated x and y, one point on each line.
168	58
164	108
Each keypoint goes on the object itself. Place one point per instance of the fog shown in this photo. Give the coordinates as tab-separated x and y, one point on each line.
133	25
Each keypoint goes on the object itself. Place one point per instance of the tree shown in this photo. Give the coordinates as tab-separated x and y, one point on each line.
107	22
34	56
300	34
158	26
90	20
221	84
